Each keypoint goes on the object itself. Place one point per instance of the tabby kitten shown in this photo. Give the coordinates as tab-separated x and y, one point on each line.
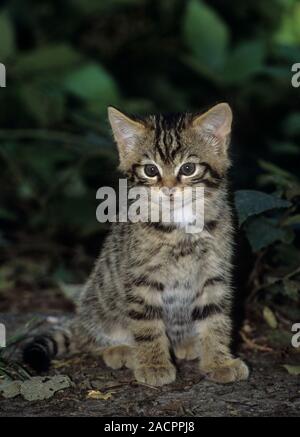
157	291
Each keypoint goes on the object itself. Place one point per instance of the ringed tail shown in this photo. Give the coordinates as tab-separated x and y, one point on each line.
43	348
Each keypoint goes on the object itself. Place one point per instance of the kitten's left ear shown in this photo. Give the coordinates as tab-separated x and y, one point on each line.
215	124
126	133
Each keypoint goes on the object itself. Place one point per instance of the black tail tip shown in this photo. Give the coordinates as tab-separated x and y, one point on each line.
36	357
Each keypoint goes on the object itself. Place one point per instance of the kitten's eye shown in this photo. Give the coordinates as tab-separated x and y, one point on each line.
151	170
187	169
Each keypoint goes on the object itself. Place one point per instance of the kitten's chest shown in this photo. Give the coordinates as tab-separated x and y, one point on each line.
182	271
185	259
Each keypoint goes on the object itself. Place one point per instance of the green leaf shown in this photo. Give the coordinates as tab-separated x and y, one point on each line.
270	318
293	370
287	256
280	178
244	61
7	280
92	82
274	169
7	44
292	289
279	339
284	148
292	220
71	291
63	275
46	106
75	187
262	231
251	202
206	34
47	59
291	125
201	68
286	52
289	31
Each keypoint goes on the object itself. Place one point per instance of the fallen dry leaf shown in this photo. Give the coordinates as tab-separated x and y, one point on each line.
97	394
35	388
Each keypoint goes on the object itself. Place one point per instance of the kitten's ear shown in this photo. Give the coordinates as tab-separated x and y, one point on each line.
125	130
215	124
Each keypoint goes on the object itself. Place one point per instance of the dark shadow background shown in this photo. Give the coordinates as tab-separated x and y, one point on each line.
66	61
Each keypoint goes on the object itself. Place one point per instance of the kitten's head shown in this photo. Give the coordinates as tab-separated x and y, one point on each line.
174	150
168	153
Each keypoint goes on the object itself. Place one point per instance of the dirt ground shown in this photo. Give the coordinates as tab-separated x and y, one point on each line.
270	391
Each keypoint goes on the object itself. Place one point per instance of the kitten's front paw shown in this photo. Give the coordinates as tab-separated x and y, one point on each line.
187	350
235	370
118	356
155	375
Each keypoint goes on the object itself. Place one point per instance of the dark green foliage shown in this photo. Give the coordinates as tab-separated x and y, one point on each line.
66	61
271	224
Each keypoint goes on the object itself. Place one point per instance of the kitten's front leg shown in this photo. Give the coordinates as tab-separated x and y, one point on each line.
152	361
213	324
216	361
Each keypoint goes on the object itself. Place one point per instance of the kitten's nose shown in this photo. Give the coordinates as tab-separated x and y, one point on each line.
169	191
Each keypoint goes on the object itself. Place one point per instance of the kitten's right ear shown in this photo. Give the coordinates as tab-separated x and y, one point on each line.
126	132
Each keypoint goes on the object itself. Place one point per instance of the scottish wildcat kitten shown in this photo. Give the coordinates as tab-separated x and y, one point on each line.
156	288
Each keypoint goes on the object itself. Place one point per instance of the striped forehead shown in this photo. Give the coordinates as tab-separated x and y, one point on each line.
167	140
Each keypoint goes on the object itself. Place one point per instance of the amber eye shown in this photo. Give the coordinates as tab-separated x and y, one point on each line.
151	170
188	169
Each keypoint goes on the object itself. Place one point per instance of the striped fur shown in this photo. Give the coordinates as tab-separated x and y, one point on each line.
156	288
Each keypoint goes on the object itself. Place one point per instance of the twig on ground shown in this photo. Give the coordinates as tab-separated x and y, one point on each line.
252	345
143	384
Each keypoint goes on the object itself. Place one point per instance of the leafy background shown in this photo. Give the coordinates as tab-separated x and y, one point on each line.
66	61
